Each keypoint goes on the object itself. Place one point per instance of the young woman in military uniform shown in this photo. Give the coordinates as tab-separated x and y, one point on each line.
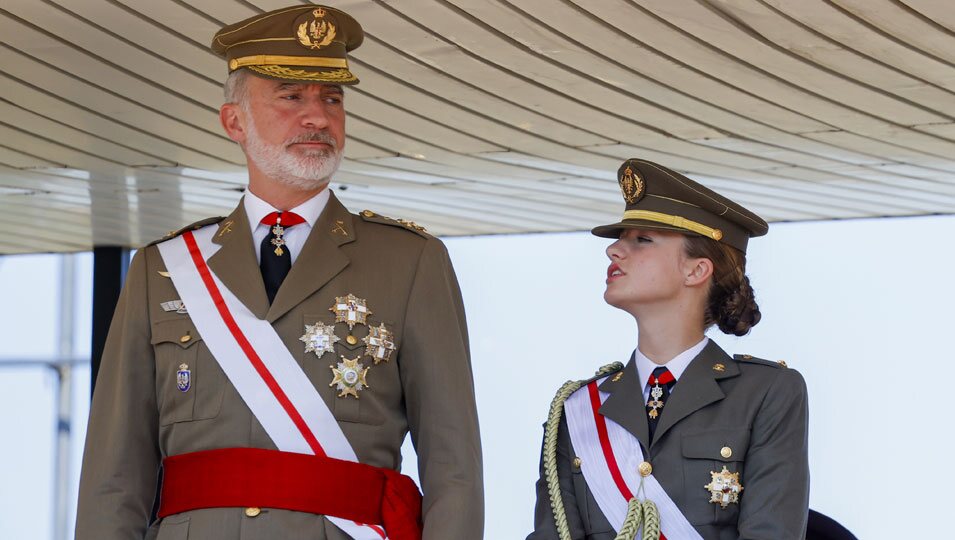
685	441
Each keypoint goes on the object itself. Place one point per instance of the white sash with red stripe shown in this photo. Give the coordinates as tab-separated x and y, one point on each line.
610	458
257	362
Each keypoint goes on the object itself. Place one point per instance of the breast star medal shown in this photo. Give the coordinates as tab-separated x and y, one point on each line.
183	378
724	487
349	377
379	343
655	404
351	310
319	338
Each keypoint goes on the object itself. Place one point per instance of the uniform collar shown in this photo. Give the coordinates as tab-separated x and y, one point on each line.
676	365
256	208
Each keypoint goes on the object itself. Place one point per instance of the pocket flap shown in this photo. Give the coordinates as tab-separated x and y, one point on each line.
716	444
179	331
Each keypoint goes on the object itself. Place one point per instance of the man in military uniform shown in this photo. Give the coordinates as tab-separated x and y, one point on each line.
263	369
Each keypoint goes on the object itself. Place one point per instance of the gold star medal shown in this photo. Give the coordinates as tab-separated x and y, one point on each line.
351	310
319	338
724	487
349	377
379	343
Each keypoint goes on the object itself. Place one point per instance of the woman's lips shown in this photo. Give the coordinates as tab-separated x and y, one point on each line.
613	272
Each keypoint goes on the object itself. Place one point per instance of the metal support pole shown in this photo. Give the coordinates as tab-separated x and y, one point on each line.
109	272
63	399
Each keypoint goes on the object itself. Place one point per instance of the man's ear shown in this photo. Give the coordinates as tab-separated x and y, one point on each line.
698	272
232	118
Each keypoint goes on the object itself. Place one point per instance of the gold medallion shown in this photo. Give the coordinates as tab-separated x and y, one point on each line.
349	377
278	230
318	33
379	343
655	404
319	338
724	487
631	185
351	310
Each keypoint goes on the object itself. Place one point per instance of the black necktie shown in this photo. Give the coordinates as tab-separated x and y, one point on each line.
661	381
275	260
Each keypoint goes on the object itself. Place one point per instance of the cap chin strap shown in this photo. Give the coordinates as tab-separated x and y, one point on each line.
675	221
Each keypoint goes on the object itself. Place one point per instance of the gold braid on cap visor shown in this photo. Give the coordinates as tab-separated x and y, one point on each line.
675	221
275	60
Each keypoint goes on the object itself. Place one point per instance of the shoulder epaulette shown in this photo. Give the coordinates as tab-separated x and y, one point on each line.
191	227
750	359
368	215
615	369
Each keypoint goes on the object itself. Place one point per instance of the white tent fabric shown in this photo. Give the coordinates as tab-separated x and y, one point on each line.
487	116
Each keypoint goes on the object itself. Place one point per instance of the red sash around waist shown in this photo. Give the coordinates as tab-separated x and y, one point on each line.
255	477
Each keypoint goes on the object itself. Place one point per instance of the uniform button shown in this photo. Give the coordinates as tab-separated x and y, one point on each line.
577	462
252	511
185	339
726	452
645	469
351	340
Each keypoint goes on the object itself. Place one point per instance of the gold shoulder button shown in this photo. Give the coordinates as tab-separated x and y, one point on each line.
782	363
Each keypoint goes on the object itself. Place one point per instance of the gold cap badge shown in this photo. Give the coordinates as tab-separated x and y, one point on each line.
632	185
316	33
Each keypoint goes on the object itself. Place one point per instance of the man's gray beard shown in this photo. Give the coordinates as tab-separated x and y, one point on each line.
311	171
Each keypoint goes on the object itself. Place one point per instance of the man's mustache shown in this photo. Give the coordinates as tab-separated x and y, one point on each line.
316	136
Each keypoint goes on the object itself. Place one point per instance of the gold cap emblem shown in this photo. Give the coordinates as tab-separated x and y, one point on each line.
318	33
631	185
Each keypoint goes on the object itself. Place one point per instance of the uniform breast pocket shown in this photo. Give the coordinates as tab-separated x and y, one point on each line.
190	383
713	474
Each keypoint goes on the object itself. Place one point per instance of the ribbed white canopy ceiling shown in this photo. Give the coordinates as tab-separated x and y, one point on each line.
487	116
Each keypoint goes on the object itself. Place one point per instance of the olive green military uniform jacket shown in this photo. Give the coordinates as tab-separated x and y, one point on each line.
758	409
139	415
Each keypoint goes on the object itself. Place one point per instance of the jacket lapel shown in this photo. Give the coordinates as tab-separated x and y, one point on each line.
697	387
321	259
236	265
625	404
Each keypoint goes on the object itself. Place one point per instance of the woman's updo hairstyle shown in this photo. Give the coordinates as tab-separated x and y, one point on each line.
731	304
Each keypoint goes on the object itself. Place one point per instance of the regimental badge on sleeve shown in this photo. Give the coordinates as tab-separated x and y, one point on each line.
184	378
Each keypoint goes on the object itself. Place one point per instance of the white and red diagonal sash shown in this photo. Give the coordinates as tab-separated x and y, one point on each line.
610	459
257	363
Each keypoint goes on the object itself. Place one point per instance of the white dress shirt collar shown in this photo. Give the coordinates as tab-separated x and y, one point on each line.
677	365
256	208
